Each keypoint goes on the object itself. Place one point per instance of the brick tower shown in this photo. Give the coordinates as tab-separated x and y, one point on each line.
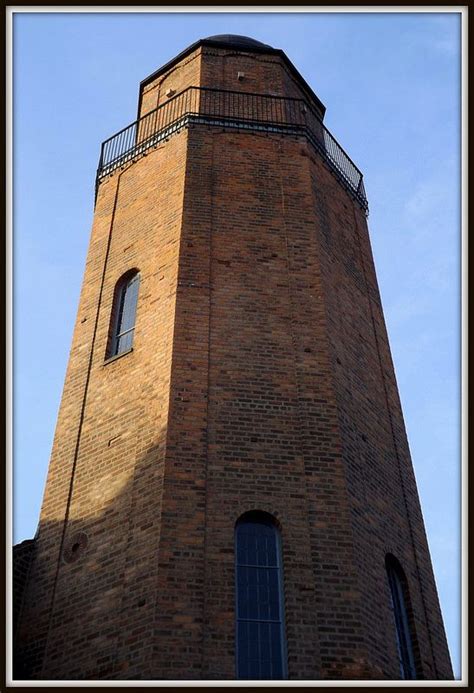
230	493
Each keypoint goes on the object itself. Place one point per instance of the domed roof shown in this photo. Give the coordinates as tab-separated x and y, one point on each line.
237	41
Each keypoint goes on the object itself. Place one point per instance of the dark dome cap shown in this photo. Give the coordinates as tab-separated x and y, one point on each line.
236	41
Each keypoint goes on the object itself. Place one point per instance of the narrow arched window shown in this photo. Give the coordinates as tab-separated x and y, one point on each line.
401	608
260	627
123	314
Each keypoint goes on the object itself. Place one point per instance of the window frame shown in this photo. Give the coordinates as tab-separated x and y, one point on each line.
261	517
400	607
122	286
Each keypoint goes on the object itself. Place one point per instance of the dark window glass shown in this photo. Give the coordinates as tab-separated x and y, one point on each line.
125	311
261	649
399	604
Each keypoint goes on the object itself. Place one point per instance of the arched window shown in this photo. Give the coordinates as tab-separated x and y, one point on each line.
123	314
260	625
400	603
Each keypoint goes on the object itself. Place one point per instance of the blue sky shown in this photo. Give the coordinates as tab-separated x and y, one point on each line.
391	86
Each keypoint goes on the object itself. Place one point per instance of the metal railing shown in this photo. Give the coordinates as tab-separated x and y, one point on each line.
242	110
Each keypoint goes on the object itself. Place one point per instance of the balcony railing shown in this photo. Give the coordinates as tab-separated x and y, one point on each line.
231	109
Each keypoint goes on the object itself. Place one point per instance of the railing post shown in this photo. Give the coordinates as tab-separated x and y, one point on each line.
101	159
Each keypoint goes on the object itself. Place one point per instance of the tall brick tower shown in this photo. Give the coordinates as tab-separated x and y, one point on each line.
230	493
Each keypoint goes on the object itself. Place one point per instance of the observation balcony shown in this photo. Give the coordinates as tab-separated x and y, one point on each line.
237	110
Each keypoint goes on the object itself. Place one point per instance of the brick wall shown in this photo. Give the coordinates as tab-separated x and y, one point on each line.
385	509
209	66
270	415
107	463
186	73
263	73
22	555
260	378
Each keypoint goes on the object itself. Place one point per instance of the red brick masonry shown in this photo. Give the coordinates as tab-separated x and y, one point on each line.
260	378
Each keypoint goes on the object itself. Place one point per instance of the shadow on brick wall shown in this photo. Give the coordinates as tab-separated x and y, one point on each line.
81	588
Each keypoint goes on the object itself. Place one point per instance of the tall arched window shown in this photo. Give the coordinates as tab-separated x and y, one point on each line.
260	624
400	603
123	313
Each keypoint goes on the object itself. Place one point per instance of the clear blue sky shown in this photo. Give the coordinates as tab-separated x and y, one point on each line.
391	85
